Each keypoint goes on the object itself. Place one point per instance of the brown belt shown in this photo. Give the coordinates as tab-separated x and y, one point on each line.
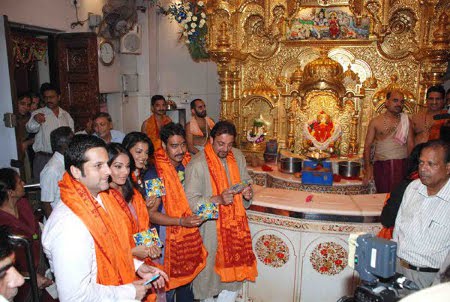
416	268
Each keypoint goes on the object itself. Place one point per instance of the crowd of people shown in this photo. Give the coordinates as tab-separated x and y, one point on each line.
100	189
98	194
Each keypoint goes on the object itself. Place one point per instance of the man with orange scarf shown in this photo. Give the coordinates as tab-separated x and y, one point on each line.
209	176
424	126
199	127
89	251
157	120
184	255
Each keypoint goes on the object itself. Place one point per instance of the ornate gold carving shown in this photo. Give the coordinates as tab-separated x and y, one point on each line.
262	72
261	88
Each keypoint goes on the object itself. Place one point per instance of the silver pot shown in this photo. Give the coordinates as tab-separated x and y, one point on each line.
349	168
290	165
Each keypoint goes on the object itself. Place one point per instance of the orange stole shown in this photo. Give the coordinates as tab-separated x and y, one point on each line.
386	232
114	261
152	130
235	260
134	226
185	255
435	130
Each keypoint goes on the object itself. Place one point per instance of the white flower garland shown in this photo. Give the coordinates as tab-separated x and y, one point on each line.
258	135
322	146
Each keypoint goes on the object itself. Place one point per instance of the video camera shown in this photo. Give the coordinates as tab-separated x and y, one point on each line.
375	259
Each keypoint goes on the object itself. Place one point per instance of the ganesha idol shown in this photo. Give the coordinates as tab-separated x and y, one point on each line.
322	133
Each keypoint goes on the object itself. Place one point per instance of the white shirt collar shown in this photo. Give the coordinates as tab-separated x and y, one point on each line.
444	192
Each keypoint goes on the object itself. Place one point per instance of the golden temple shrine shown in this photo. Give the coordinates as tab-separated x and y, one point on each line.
285	62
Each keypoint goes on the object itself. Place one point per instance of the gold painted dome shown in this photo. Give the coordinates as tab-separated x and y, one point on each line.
323	69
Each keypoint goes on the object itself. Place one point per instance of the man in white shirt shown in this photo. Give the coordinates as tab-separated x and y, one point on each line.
43	121
103	128
422	227
54	169
86	239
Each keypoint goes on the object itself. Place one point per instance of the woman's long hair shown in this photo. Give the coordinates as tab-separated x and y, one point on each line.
114	150
129	141
8	182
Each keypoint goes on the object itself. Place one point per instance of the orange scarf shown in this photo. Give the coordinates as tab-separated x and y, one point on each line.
195	129
185	255
235	260
134	226
152	130
108	228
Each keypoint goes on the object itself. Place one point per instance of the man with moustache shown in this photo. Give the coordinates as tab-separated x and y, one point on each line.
209	176
86	237
158	119
199	127
43	121
422	229
424	126
184	255
391	136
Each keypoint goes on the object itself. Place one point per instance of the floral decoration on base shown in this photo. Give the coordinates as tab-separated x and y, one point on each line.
272	251
329	258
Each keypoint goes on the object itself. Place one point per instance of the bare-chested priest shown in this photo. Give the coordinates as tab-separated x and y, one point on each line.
199	127
425	128
391	136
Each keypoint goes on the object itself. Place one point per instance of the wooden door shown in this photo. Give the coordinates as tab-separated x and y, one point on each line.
77	75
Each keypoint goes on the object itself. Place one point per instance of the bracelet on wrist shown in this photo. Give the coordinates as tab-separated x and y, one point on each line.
179	221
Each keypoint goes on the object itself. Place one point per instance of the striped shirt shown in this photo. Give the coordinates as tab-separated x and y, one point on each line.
422	227
52	122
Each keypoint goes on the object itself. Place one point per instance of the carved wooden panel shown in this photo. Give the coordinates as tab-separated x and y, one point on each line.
78	75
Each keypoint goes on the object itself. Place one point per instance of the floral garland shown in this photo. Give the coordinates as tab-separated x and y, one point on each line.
27	50
191	16
256	138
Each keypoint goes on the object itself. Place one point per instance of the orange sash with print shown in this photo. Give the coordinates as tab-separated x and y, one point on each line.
235	260
185	255
108	228
195	129
152	130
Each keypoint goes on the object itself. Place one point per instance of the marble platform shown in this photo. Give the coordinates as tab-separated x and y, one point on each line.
301	246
